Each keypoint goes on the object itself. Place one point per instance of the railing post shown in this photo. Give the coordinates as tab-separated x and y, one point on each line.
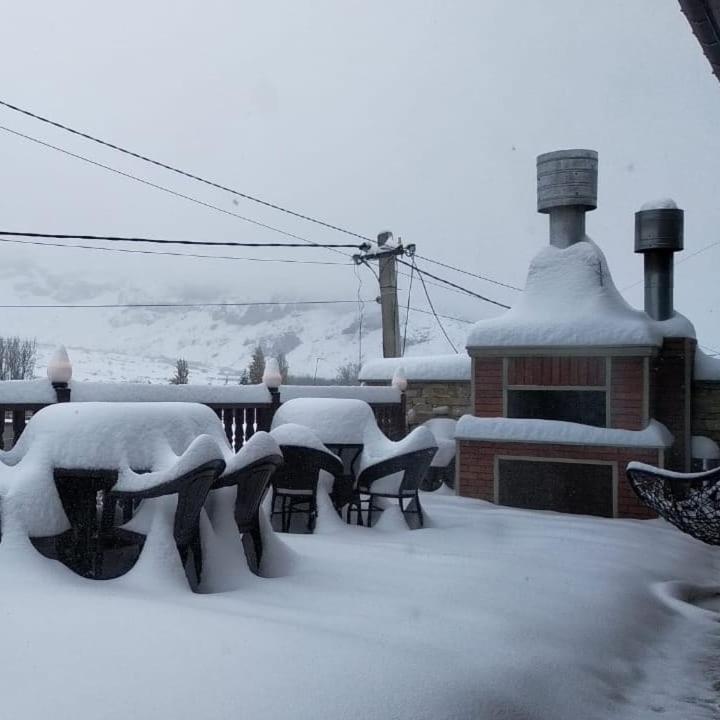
62	391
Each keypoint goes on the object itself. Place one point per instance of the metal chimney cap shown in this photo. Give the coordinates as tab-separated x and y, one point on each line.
659	229
567	178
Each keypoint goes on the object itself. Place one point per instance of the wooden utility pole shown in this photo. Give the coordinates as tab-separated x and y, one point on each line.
386	255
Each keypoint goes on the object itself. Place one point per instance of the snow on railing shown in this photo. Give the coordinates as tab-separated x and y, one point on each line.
243	409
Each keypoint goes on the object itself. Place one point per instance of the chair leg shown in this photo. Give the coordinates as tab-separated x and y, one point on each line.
370	512
419	509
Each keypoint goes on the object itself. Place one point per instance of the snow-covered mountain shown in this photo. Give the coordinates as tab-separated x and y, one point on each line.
142	344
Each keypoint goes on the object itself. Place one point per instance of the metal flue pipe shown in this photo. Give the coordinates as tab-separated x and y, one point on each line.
566	190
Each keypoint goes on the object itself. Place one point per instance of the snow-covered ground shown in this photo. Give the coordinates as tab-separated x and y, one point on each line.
487	613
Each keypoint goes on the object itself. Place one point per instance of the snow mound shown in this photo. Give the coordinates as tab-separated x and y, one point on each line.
333	420
569	300
421	368
443	430
655	435
705	448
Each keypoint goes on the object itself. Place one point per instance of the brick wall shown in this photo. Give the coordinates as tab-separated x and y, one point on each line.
476	467
627	390
488	376
552	371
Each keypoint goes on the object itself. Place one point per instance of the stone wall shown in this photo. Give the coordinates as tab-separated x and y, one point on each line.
423	396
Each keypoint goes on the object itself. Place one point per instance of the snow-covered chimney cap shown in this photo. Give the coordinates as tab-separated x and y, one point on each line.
659	227
59	369
567	178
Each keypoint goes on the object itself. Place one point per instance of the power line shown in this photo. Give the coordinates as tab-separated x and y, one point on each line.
163	188
183	305
451	284
471	274
222	243
447	317
178	171
432	307
407	312
172	254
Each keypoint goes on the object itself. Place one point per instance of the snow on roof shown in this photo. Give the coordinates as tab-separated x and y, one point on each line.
357	392
655	435
569	300
707	367
421	368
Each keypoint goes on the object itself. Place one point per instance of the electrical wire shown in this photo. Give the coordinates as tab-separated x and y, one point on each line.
471	274
422	273
183	305
361	311
163	188
178	171
172	254
221	243
407	311
432	307
447	317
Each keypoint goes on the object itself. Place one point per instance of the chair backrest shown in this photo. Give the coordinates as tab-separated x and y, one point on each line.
302	466
691	503
252	483
413	465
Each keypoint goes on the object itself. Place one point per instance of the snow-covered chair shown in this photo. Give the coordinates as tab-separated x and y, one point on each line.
341	425
394	470
442	467
249	473
295	483
690	501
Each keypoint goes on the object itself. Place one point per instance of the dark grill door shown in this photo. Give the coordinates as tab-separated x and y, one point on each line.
563	487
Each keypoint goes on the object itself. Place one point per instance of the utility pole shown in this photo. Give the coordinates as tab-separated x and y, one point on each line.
386	255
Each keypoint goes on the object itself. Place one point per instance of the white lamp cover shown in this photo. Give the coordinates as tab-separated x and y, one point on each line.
271	375
399	379
59	369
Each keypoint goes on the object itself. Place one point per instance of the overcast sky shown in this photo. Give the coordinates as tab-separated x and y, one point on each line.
420	116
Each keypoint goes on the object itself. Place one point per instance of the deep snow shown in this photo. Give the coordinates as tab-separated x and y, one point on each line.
487	613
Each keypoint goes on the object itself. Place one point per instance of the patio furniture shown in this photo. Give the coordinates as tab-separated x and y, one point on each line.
341	426
394	470
83	459
295	483
690	501
442	467
249	472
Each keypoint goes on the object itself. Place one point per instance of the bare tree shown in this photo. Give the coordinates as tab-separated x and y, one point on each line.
348	373
17	358
182	373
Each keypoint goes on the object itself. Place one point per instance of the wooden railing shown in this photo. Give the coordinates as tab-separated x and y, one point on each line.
242	409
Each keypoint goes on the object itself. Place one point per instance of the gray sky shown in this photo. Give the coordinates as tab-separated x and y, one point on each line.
420	116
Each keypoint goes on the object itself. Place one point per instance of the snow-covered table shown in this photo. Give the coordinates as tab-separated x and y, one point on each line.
84	457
